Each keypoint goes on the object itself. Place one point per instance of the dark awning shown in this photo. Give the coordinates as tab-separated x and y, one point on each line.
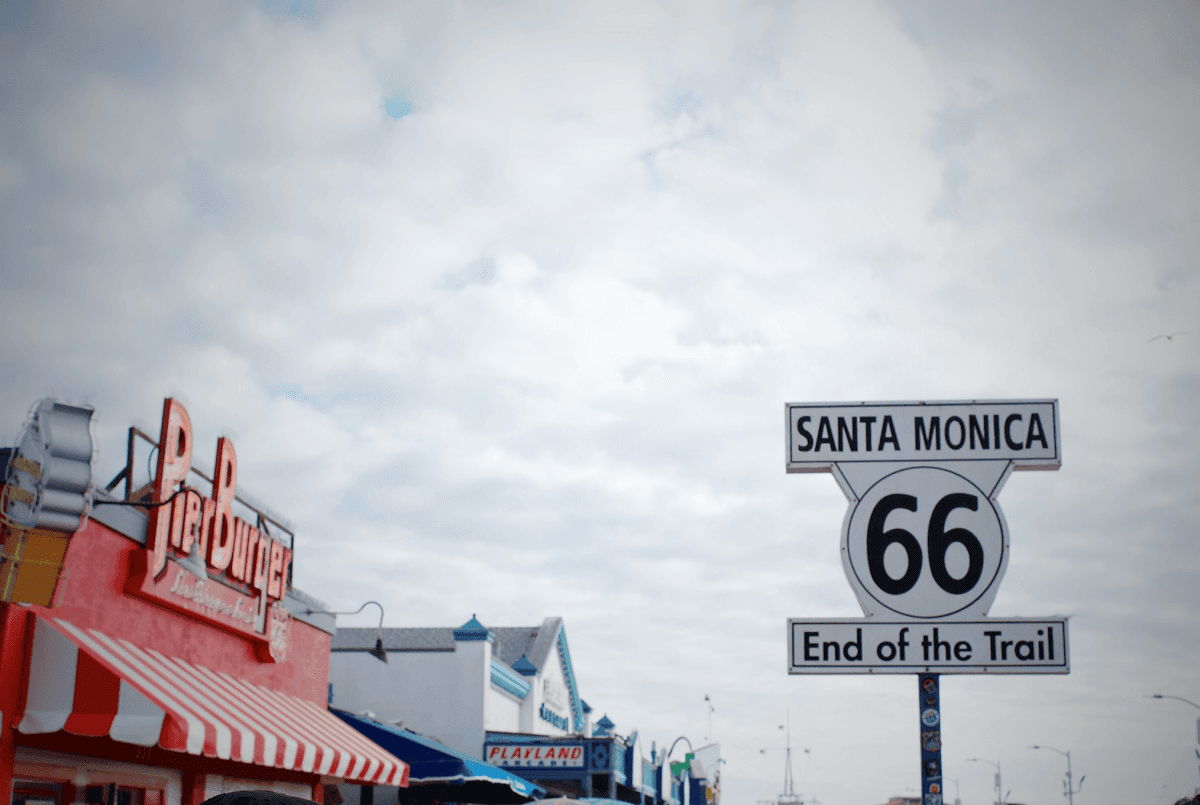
437	772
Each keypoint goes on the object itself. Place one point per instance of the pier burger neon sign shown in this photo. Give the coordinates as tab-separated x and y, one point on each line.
245	568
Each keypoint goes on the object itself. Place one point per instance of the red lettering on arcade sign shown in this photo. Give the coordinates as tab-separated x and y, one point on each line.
526	755
246	567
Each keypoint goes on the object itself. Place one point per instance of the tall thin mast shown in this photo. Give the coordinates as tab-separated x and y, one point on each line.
789	778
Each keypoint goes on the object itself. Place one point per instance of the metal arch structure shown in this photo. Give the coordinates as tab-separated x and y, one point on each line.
667	756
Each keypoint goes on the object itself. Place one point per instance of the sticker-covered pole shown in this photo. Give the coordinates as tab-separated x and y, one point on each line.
931	738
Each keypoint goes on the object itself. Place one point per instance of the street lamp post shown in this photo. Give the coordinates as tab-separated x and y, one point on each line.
1069	791
1193	704
378	652
1177	698
708	701
999	787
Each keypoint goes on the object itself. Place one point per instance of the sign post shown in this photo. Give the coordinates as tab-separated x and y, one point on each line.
925	544
930	708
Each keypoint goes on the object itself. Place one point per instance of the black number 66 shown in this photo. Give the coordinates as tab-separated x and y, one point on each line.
938	541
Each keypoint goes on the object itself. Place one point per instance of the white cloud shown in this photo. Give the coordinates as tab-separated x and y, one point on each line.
534	337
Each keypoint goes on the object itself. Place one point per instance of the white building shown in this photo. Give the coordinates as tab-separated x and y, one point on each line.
456	685
505	695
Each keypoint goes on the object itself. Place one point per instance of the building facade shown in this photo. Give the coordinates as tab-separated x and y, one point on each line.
455	685
506	695
156	653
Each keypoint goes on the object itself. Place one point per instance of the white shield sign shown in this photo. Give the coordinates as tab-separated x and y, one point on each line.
925	542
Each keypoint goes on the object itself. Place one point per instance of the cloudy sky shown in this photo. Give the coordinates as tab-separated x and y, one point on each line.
501	302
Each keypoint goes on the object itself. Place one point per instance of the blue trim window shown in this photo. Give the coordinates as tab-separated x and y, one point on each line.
620	754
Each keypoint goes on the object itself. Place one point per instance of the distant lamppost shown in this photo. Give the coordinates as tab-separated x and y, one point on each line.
1193	704
1068	790
378	652
957	798
1177	698
999	787
708	701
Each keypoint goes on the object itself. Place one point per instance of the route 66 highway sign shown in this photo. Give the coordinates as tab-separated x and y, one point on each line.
925	542
924	537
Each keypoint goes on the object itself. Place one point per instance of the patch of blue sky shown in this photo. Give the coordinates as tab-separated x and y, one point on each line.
686	102
954	127
397	107
301	9
294	393
15	15
477	272
954	178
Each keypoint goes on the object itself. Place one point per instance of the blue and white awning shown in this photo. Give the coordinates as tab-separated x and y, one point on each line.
437	772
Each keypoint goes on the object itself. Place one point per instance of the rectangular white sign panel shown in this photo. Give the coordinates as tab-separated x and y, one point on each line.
1022	431
986	646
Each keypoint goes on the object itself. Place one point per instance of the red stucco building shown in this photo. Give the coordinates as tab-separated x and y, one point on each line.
159	655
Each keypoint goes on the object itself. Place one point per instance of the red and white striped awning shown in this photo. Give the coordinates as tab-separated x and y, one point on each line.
88	683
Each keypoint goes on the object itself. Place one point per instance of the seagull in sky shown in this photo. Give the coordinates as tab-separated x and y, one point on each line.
1168	337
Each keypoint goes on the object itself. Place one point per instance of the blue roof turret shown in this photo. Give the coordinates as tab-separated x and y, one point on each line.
524	667
473	630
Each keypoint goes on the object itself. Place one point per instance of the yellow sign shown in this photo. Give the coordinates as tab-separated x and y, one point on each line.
30	565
